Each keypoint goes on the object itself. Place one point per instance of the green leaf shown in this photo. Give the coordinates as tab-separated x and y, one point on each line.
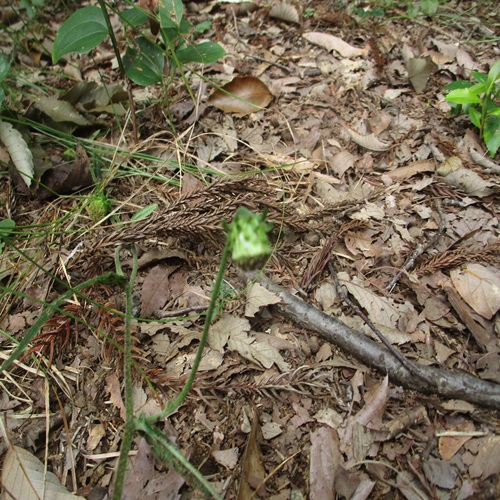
81	32
171	12
2	96
430	7
463	96
491	133
413	11
6	226
144	62
459	84
205	52
134	17
145	212
479	77
475	116
203	26
493	76
4	67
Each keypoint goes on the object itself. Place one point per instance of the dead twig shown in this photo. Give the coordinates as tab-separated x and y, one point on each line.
405	362
420	249
443	382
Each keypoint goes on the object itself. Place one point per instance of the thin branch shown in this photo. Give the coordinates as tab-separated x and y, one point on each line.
404	361
448	383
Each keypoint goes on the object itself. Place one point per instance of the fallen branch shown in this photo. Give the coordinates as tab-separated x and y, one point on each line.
443	382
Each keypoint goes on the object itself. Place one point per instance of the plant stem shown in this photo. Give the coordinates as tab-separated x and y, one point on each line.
128	84
171	407
127	370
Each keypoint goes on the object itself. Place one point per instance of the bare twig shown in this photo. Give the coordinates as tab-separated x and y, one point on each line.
420	249
405	362
448	383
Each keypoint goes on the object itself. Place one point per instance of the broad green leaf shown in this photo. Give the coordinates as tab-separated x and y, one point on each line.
413	11
6	226
205	52
144	62
2	96
459	84
475	116
491	133
171	12
134	17
479	77
463	96
430	7
81	32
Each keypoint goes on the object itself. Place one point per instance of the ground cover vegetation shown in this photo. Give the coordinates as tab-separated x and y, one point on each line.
345	154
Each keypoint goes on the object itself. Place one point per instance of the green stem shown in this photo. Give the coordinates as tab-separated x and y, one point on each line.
171	407
51	310
127	370
102	4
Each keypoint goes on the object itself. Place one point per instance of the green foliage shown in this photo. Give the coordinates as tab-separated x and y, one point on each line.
81	32
480	101
145	59
6	228
4	71
413	9
30	6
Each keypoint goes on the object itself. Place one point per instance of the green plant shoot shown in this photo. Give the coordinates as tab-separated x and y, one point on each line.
480	102
247	240
145	59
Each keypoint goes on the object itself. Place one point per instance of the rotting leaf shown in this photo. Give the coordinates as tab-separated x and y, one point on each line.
243	95
67	178
330	42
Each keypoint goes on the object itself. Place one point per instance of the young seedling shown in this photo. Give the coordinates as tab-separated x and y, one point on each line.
481	102
247	240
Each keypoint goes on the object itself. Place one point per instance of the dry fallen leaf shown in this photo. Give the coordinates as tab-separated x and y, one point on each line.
419	71
368	141
479	287
330	42
243	95
285	12
24	476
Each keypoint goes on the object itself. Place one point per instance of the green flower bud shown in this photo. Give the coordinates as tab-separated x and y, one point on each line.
248	238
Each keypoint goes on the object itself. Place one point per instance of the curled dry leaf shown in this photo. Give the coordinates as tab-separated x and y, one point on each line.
285	12
368	141
243	95
330	42
463	178
18	150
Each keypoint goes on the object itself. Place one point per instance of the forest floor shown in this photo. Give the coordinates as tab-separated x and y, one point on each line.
359	164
